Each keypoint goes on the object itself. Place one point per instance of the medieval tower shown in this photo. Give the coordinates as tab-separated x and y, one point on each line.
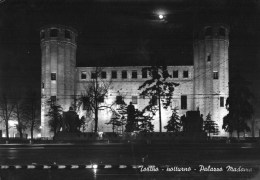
58	47
203	85
211	73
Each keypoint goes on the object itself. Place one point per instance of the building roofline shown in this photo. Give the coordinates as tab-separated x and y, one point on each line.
59	26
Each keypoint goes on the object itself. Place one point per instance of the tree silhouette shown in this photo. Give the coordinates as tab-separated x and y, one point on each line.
143	122
92	98
55	116
121	112
116	120
174	124
7	109
210	126
157	87
239	106
22	121
31	111
20	113
83	122
131	123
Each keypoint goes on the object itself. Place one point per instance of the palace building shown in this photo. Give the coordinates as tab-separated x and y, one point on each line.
202	86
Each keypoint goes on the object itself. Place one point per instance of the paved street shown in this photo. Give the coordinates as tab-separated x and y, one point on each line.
128	153
182	155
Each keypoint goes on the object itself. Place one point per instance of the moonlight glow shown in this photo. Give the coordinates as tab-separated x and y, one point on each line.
161	13
161	16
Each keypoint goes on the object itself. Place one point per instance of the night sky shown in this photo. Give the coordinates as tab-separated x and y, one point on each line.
117	33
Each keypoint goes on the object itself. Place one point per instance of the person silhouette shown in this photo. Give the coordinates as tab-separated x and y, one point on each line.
130	111
130	117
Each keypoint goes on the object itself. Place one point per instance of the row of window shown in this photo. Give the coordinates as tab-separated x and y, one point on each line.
124	75
119	100
55	33
155	101
114	74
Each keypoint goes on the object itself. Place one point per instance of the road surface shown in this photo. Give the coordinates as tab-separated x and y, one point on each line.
70	161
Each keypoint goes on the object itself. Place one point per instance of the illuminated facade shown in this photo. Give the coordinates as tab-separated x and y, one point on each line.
203	86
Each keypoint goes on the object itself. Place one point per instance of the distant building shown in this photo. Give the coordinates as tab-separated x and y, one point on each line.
203	86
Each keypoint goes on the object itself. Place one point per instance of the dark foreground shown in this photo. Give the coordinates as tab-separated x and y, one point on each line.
130	161
121	175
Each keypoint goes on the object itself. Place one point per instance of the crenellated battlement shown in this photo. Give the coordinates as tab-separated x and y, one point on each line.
58	33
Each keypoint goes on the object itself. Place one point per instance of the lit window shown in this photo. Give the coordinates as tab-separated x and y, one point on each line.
114	74
175	74
208	31
93	75
54	33
103	75
185	74
134	99
215	75
53	76
221	101
209	58
222	31
134	74
67	34
183	102
144	73
83	75
124	74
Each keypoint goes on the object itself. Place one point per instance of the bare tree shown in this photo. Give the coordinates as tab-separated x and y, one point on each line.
7	109
19	114
32	113
93	97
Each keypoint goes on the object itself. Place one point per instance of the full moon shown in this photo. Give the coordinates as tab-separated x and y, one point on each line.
161	16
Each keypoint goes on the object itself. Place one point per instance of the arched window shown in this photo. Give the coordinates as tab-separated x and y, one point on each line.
222	31
208	31
54	33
